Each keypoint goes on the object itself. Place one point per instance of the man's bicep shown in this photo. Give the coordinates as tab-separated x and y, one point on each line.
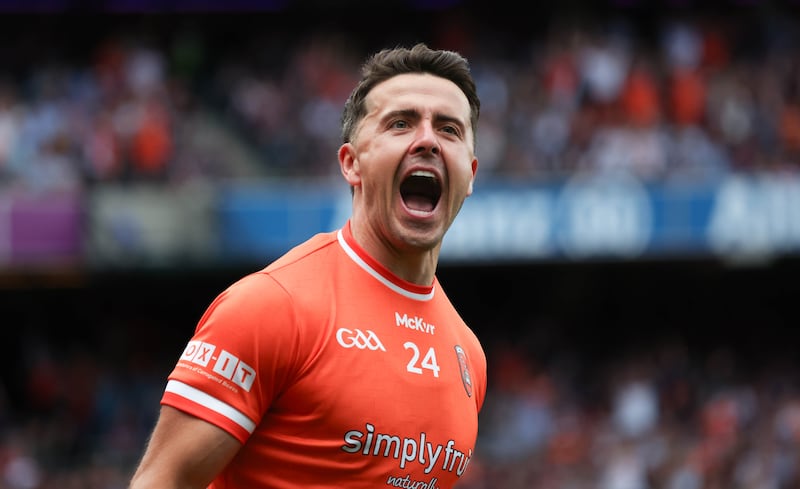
183	452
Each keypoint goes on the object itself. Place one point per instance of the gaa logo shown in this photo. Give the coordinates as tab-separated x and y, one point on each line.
350	338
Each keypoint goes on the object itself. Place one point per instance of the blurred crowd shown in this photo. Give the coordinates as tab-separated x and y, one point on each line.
658	418
676	99
663	416
663	97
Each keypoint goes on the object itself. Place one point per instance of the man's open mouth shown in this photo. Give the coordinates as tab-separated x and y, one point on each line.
421	191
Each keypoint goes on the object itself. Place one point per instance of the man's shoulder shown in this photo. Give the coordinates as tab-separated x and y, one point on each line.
297	266
304	255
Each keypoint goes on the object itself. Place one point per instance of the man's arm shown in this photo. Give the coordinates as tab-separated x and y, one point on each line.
183	452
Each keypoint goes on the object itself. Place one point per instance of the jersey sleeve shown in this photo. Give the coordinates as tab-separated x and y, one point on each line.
240	357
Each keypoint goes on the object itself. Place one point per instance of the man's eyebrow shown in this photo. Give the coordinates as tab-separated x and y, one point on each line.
439	117
405	113
414	114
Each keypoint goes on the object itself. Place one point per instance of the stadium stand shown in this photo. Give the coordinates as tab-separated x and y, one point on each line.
677	373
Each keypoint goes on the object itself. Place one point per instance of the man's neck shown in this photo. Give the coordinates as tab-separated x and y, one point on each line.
417	266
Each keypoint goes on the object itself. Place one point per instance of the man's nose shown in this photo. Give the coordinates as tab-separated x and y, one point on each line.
426	140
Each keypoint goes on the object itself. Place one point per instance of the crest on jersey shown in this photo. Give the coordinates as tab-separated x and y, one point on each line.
466	378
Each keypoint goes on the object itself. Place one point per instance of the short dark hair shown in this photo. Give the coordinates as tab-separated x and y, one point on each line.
388	63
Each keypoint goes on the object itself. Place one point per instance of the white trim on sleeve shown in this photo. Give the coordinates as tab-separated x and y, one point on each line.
197	396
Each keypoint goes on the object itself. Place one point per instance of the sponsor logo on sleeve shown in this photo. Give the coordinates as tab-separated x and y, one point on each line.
224	364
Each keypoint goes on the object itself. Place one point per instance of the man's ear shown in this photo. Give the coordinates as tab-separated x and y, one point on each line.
474	172
348	164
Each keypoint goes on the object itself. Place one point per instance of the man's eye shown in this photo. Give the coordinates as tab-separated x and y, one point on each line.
451	130
400	124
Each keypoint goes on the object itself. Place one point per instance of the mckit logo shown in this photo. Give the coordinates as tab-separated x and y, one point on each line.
413	322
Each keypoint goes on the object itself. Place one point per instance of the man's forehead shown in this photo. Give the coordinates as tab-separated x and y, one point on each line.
422	89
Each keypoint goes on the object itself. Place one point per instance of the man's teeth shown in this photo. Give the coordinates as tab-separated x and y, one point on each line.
423	173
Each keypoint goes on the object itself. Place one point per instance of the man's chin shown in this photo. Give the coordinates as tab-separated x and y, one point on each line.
421	238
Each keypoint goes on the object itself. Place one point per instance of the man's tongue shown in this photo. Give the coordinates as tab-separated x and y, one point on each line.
418	202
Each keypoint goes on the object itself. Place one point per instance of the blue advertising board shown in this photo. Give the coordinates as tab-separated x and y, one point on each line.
608	217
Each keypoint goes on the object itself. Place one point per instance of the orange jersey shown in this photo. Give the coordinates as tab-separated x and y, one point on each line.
333	372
